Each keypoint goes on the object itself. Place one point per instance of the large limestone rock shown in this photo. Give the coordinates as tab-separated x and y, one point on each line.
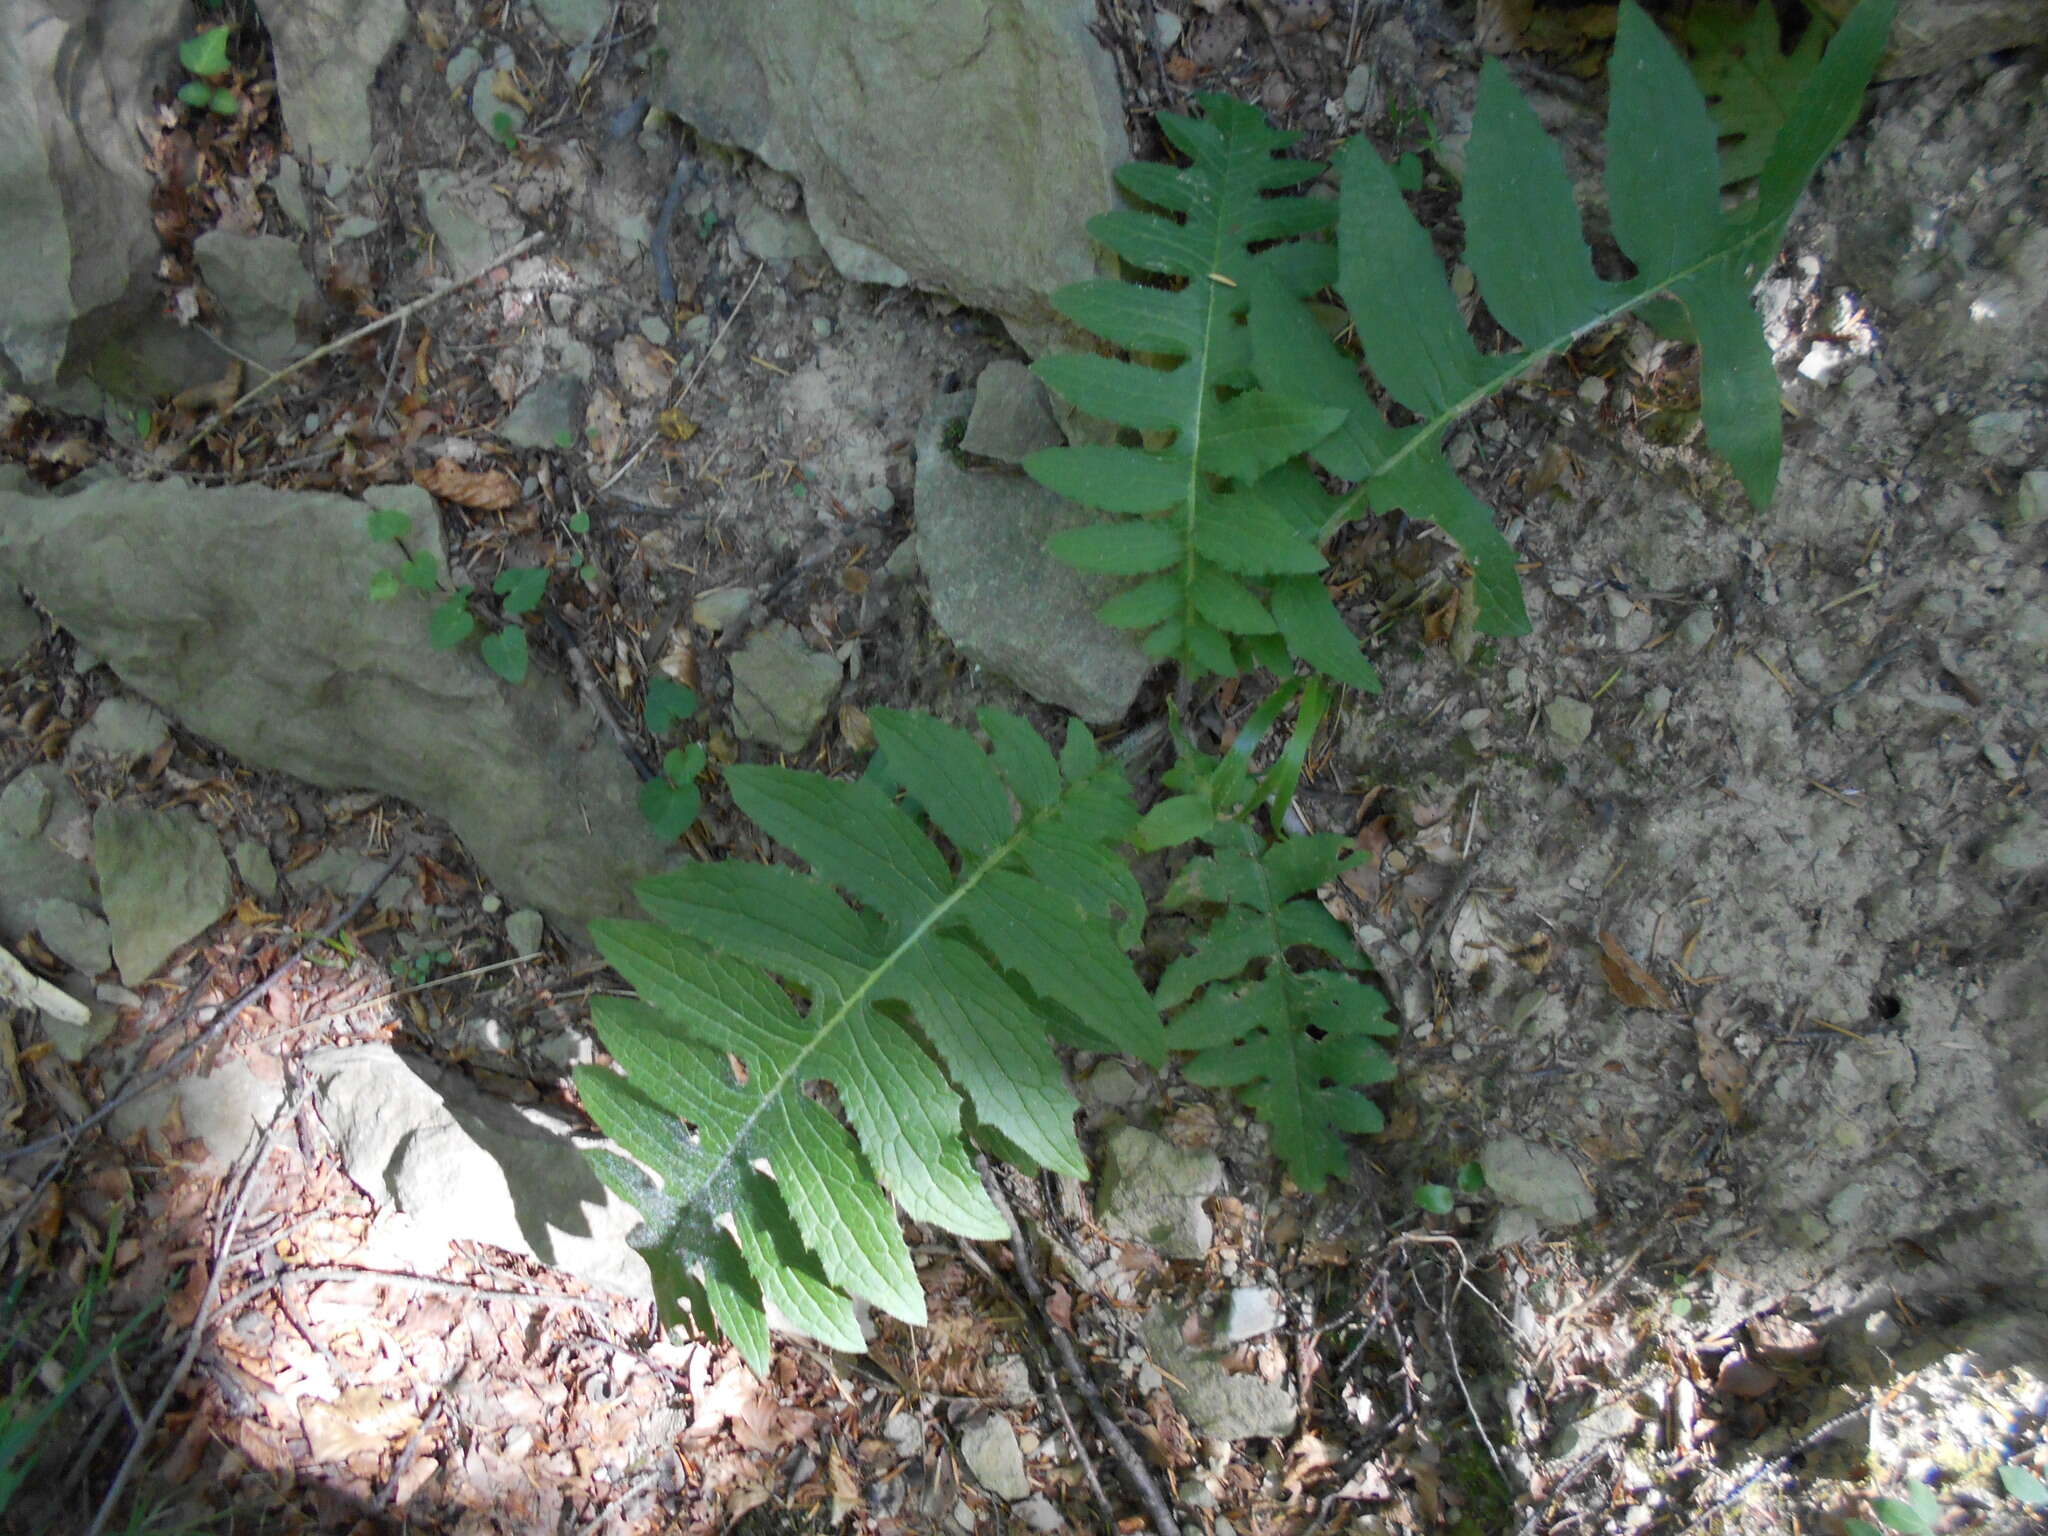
1003	600
956	144
1928	35
328	52
77	78
244	613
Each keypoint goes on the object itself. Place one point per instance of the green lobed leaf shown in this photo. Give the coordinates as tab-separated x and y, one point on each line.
926	992
1298	1047
387	523
206	53
452	622
521	588
668	704
2023	1485
505	654
1749	81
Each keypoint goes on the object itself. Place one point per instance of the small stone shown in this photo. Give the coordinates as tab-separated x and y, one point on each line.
2030	503
1166	29
781	688
575	22
1697	628
1545	1182
879	499
1742	1377
546	413
1594	390
525	931
463	67
905	1434
719	609
2021	849
1152	1192
1012	415
1250	1312
261	285
81	939
24	806
1216	1401
354	227
1037	1512
697	328
2001	436
656	330
1110	1083
1358	89
163	882
989	1447
821	327
122	731
1570	721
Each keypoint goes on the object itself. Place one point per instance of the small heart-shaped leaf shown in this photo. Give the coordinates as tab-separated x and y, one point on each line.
387	523
522	588
420	572
207	54
505	654
383	586
452	622
669	808
667	703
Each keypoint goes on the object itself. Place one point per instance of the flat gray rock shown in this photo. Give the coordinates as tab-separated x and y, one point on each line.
122	731
328	52
176	587
163	882
77	243
20	630
1005	602
81	939
549	415
781	688
574	21
257	869
39	813
1152	1192
1012	416
226	1109
1216	1402
262	286
1544	1182
464	1165
955	145
469	217
989	1447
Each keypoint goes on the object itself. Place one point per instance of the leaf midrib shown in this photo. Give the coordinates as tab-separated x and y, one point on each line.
1736	241
794	1076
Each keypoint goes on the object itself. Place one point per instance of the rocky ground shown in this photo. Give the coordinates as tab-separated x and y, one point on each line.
1712	911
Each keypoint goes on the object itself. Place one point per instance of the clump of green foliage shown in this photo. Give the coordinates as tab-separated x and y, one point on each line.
1236	385
519	590
969	902
205	57
963	907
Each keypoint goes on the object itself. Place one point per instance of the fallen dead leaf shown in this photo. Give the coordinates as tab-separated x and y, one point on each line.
484	490
1636	987
644	369
361	1419
1720	1068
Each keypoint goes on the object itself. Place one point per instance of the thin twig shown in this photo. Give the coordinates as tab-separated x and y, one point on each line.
398	315
1156	1508
1043	1360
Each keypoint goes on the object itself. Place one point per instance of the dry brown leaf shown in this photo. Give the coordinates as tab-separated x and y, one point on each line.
1500	25
484	490
1720	1068
1636	987
846	1496
361	1419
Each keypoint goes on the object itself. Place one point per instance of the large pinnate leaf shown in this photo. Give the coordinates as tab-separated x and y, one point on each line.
1230	564
1299	1046
921	987
1525	247
1219	525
